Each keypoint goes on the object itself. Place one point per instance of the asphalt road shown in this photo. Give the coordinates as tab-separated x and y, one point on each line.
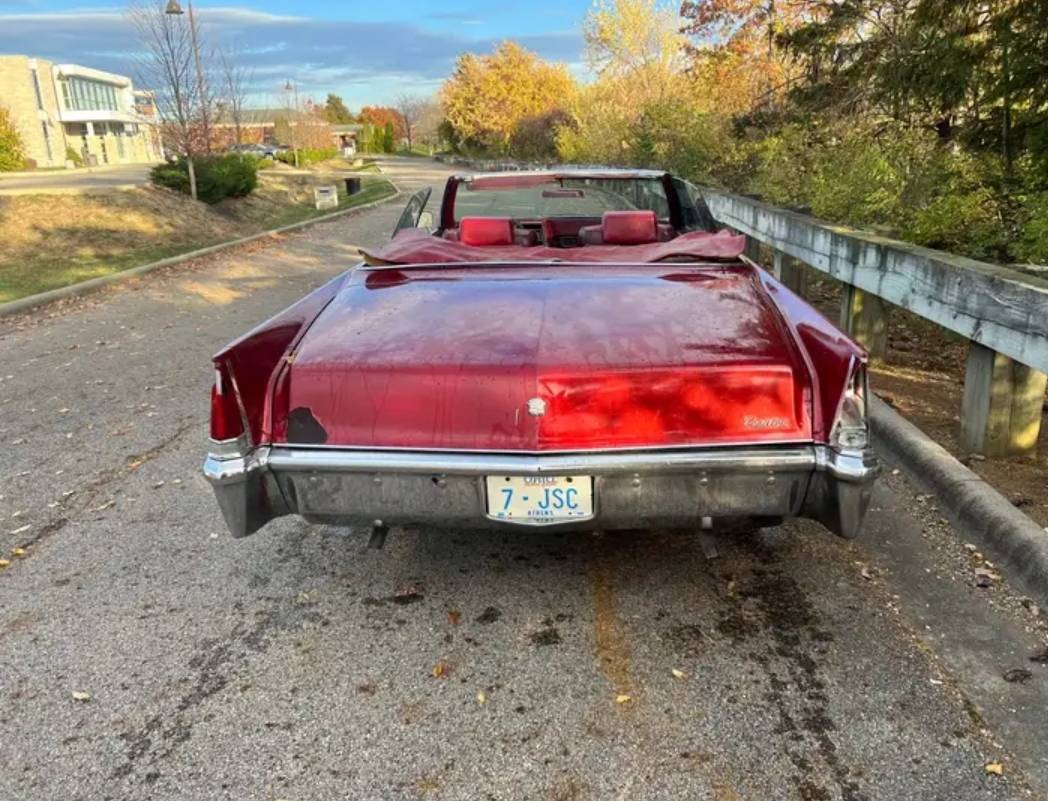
66	181
296	665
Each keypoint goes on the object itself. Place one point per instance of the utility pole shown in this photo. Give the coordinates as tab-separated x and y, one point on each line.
291	87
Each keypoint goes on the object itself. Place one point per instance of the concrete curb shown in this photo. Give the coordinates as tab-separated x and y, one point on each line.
1008	536
82	288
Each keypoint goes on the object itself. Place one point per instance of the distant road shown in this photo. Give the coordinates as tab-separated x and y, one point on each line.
61	182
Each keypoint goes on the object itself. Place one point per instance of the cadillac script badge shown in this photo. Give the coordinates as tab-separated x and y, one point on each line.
536	407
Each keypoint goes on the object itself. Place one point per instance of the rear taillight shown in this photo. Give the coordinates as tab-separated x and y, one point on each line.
851	429
226	421
665	407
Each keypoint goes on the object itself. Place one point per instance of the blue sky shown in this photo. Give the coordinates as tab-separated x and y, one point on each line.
368	52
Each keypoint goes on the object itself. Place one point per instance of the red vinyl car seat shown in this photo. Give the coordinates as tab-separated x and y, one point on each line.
485	231
626	228
629	227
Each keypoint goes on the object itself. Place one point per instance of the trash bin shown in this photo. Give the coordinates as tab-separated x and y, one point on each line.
352	186
91	160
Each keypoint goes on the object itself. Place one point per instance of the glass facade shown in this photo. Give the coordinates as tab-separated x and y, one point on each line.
84	94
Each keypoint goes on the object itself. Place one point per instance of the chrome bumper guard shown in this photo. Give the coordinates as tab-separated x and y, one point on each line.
639	489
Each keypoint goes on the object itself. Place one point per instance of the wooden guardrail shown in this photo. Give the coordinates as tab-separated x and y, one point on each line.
1002	312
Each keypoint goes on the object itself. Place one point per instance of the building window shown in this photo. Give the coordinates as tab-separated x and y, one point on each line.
36	89
47	143
84	94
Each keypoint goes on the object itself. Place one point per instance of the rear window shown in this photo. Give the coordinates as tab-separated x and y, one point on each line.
563	197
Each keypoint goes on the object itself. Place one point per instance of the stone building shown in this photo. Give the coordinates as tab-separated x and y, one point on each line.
62	109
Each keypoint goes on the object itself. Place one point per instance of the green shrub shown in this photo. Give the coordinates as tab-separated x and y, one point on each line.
172	176
1033	238
308	155
782	167
217	177
74	157
12	152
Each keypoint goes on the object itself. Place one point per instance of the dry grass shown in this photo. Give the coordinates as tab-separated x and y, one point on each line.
51	241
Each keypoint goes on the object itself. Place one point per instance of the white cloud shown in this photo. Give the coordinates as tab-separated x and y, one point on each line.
366	62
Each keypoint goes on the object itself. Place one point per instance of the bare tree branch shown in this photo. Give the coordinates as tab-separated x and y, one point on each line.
235	80
165	66
411	108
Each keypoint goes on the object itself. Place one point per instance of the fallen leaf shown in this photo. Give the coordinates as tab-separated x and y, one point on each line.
454	616
410	594
18	552
984	577
482	698
1017	675
79	695
679	674
1041	656
441	669
4	562
995	768
622	699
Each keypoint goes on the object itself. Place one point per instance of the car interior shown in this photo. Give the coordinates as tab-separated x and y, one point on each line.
639	227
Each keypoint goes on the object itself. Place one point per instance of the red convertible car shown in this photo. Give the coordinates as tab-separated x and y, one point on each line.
573	348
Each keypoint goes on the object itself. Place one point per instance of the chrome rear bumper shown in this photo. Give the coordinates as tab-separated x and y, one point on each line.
638	489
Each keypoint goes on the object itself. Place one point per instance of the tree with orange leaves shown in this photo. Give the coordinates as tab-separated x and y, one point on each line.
487	97
737	49
378	116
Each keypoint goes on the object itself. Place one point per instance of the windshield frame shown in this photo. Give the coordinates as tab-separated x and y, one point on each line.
510	179
537	200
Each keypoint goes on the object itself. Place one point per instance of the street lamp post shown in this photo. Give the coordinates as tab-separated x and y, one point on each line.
290	87
174	8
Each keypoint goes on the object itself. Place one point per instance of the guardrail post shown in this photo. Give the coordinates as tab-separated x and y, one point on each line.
794	275
776	263
1002	404
753	249
865	318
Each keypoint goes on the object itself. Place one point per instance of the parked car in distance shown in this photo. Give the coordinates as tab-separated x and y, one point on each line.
260	149
571	348
252	149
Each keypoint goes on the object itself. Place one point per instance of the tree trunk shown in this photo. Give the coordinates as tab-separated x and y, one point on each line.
192	177
1006	97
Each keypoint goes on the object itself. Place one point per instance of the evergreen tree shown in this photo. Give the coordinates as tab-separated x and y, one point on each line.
335	111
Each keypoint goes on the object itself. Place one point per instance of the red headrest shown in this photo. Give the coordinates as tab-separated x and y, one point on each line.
629	227
486	231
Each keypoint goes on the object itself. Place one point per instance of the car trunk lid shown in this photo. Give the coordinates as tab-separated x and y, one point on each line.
547	358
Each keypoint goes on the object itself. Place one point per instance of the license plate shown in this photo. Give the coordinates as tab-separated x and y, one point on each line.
538	500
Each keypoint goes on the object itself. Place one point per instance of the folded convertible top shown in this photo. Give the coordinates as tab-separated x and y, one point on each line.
415	246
